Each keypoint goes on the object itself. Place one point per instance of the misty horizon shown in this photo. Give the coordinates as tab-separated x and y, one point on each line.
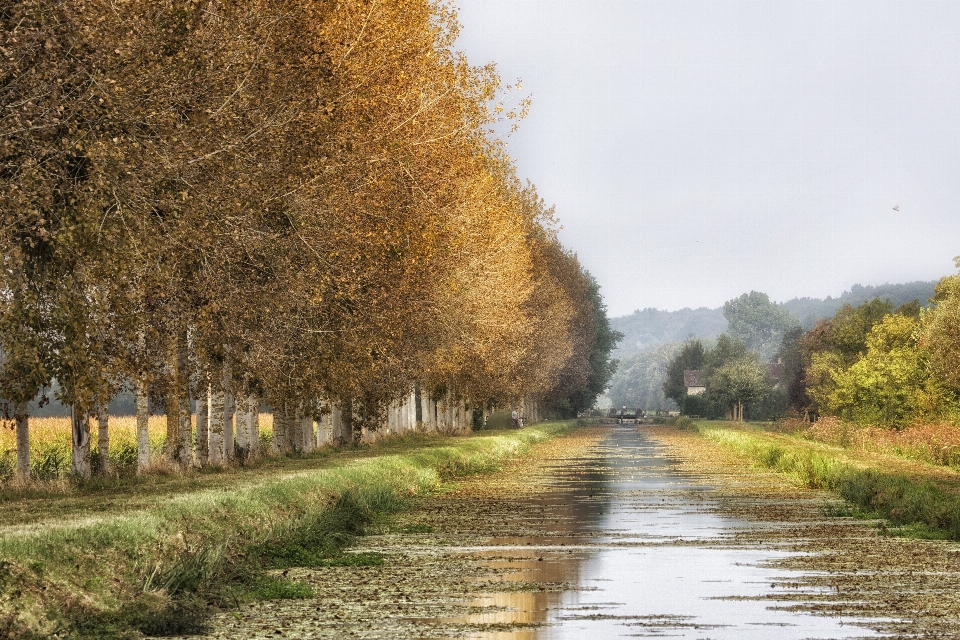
699	150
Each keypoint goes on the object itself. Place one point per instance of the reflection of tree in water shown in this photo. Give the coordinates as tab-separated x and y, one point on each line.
574	508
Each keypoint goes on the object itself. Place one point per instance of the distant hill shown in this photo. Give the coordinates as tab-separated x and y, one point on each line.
809	310
647	329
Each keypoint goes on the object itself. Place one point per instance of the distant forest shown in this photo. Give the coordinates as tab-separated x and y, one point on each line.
646	329
653	337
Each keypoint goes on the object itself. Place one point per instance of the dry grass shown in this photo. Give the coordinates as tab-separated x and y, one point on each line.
50	444
931	443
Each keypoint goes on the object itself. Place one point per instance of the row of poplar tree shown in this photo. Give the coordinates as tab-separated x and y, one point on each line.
297	201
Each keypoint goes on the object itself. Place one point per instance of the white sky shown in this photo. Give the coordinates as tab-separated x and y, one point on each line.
699	150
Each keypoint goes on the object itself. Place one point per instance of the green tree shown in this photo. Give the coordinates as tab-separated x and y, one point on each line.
885	385
942	332
691	357
738	383
850	326
758	322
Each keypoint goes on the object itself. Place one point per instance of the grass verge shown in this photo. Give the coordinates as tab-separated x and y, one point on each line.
914	505
158	568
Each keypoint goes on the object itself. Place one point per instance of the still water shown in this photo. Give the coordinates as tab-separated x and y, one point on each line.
650	557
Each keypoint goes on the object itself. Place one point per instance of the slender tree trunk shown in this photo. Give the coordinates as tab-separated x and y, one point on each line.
143	428
309	433
203	421
339	431
417	404
216	424
80	421
228	413
253	424
173	403
103	438
185	430
347	422
22	416
295	429
240	422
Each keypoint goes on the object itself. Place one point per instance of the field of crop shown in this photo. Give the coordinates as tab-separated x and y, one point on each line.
50	445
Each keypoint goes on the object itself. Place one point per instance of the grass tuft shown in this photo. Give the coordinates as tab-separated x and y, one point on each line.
915	507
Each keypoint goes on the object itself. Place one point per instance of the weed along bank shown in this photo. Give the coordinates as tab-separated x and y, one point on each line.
158	554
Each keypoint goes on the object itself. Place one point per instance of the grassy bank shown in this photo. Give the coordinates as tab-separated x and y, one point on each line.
153	557
918	500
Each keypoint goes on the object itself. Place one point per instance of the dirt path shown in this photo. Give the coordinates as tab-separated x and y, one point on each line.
531	551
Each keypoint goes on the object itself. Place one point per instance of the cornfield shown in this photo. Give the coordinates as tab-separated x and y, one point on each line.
50	445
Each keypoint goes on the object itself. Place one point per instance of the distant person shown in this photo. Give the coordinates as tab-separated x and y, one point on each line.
515	416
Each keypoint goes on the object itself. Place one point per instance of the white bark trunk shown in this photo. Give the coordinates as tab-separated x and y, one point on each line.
21	415
143	429
80	422
103	439
412	410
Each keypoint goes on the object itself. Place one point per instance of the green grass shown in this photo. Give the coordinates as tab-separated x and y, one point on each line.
271	587
914	506
154	555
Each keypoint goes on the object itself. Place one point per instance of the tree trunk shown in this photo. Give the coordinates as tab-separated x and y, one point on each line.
203	421
172	452
253	423
339	431
22	416
143	428
417	404
295	429
185	429
80	422
228	413
216	424
347	424
307	430
240	421
103	439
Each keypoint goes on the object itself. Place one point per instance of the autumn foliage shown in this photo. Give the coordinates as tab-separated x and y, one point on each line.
302	201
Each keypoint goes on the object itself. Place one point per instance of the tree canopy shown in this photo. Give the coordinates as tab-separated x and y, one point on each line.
301	199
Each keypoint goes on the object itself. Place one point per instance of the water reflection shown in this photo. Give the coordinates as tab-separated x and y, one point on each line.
635	550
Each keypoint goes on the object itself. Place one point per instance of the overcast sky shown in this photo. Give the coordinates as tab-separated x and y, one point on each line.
699	150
